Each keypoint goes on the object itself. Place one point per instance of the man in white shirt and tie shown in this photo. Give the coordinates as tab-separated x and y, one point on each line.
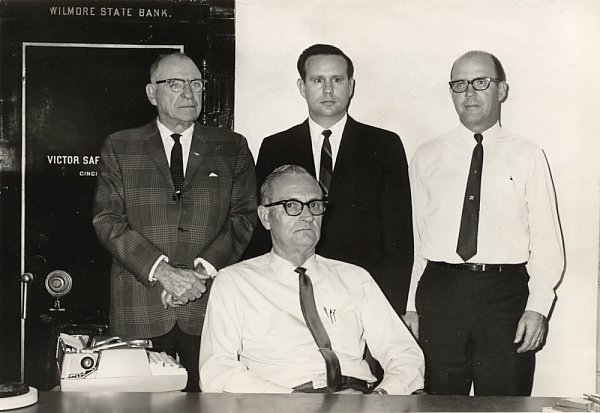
291	320
488	244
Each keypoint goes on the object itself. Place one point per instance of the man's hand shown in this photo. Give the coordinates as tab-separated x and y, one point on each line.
168	300
411	319
182	285
531	330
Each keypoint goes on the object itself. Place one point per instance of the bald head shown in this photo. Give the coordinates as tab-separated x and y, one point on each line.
499	70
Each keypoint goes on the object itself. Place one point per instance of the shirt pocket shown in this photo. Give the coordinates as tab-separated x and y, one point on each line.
506	191
345	330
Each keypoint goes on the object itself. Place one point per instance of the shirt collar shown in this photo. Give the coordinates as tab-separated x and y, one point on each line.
280	265
336	130
165	133
491	134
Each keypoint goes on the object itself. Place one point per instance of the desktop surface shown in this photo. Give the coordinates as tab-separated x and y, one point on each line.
58	402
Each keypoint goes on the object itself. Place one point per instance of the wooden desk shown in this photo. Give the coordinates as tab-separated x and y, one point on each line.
59	402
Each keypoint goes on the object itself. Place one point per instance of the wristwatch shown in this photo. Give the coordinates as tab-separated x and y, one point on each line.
379	390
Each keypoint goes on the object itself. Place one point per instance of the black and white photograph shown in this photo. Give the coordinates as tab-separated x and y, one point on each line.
392	205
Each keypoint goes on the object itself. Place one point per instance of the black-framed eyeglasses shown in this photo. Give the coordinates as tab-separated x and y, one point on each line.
177	85
479	84
294	207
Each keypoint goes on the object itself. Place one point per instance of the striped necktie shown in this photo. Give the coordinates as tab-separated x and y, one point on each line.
326	162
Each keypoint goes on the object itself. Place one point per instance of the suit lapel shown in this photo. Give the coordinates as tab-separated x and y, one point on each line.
302	148
344	163
198	152
154	146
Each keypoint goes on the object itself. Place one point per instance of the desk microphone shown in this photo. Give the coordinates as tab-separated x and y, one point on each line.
58	284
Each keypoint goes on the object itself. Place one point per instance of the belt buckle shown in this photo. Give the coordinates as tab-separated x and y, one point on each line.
474	266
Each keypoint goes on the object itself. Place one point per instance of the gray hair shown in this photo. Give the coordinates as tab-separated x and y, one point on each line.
266	189
163	56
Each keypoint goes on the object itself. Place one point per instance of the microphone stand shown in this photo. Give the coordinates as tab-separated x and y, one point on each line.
17	395
26	278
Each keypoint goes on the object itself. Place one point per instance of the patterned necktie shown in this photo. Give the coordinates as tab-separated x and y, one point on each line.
311	317
469	221
326	162
177	163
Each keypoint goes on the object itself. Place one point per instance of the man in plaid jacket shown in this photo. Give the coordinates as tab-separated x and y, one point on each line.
169	233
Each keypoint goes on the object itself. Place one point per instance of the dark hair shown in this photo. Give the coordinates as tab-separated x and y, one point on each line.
162	56
266	189
500	74
322	49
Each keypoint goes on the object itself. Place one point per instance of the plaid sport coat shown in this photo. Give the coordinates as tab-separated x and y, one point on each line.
138	217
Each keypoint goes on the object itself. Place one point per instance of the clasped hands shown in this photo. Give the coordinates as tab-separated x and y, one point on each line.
180	285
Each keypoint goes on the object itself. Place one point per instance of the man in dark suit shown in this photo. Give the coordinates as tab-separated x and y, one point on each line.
362	169
175	202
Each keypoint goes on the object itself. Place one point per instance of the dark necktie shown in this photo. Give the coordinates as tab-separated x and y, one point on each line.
177	163
311	317
326	162
469	221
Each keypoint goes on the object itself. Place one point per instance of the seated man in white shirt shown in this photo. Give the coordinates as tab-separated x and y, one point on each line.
256	336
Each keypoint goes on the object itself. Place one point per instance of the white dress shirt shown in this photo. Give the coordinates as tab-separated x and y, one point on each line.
518	219
335	139
255	339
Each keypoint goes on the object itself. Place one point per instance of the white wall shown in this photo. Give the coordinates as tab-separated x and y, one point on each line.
403	50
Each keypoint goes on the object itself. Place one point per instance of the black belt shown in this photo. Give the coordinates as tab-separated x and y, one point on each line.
468	266
347	383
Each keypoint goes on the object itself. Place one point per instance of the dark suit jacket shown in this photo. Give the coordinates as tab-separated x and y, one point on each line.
368	221
138	217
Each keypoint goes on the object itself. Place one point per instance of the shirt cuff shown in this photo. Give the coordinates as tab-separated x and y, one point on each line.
541	294
539	302
210	269
398	386
158	261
